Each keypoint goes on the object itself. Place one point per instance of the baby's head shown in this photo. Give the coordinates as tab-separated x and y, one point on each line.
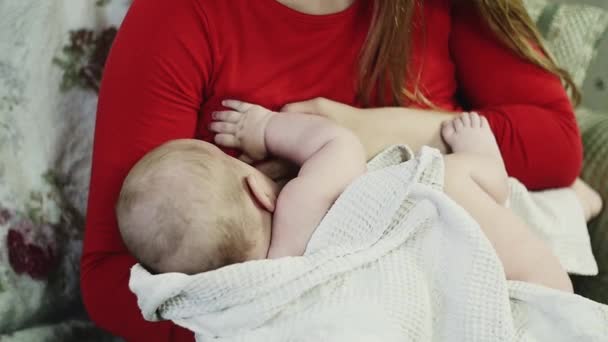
188	207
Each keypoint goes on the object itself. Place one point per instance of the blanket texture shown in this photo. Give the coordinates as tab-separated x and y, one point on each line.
393	260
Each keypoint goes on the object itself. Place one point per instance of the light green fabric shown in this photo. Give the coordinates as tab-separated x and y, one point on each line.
571	32
594	127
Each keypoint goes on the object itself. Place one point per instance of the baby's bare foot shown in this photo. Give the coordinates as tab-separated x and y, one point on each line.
590	200
470	133
243	128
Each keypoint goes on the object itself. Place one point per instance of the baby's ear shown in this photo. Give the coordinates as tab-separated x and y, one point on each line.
262	192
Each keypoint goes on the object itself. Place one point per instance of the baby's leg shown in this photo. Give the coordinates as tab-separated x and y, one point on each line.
524	256
470	134
476	179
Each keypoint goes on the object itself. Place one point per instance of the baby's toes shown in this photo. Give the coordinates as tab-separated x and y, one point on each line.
458	123
466	120
447	130
484	122
475	120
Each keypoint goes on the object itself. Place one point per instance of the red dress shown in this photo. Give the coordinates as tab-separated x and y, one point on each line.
174	61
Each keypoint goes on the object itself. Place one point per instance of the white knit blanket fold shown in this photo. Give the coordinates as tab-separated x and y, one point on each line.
393	260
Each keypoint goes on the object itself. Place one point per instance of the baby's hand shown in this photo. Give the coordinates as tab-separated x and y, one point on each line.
243	128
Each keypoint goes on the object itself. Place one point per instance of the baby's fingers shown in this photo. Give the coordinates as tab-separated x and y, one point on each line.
246	159
237	105
227	140
223	127
227	116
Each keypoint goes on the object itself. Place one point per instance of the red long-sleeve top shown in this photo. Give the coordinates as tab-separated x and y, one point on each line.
175	60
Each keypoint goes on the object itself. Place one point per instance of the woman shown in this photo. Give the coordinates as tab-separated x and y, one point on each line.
414	62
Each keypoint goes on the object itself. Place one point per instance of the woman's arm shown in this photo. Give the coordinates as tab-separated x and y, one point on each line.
151	93
527	107
383	127
379	128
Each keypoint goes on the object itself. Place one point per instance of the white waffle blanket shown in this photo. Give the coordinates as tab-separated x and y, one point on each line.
393	260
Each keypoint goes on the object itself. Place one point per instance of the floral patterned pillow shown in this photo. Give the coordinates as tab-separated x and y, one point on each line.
38	258
47	113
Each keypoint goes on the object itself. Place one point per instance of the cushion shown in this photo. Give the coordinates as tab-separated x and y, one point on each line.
572	33
45	142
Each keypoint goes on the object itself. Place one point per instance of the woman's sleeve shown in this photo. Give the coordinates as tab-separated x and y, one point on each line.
151	93
528	109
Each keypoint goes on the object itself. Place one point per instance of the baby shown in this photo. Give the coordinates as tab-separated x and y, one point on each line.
187	207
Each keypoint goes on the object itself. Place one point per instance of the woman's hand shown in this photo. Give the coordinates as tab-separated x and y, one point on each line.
343	115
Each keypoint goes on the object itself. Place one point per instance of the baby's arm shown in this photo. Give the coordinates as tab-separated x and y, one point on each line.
331	157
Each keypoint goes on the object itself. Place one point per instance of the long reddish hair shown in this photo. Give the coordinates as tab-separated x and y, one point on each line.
384	59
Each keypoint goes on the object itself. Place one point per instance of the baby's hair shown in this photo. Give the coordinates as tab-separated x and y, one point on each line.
173	191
